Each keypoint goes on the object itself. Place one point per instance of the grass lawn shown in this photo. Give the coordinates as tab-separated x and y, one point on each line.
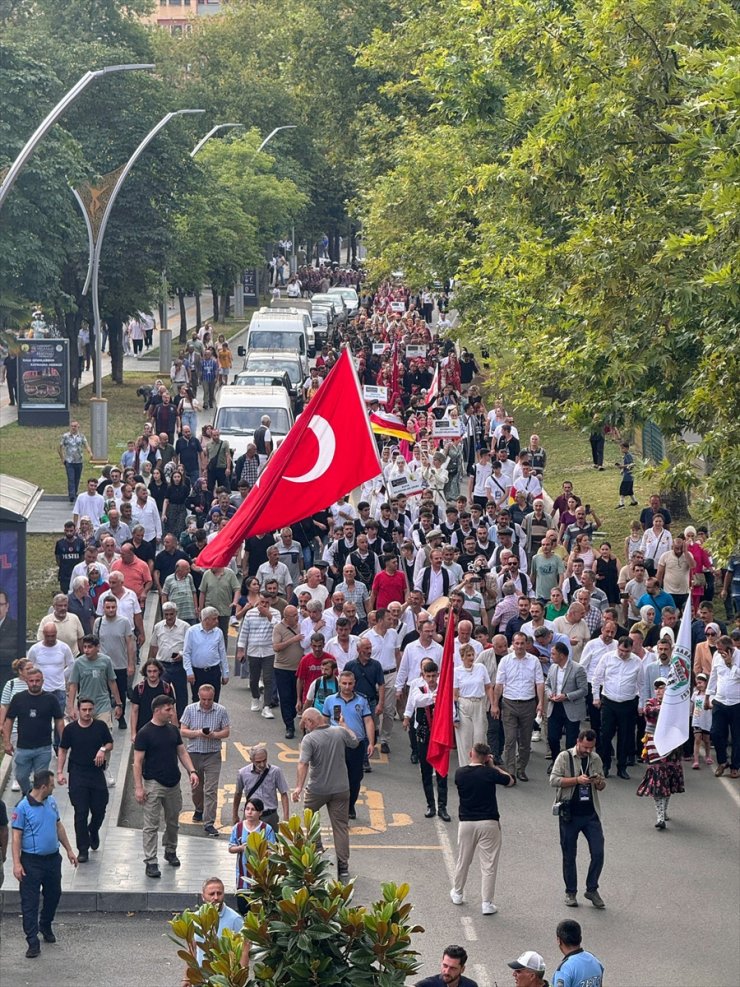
230	328
31	453
42	579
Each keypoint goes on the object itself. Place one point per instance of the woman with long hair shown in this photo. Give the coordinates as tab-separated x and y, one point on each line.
187	409
174	507
663	775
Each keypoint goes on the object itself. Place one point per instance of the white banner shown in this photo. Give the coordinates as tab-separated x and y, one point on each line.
446	429
371	392
416	351
672	728
380	347
398	307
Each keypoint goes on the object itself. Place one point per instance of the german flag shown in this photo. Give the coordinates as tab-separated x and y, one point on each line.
385	424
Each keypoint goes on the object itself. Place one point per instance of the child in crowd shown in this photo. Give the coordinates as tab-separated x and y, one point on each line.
627	486
701	721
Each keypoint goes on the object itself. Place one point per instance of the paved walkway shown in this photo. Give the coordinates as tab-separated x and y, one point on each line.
9	414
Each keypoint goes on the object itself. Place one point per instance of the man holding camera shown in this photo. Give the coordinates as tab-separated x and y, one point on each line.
479	824
578	775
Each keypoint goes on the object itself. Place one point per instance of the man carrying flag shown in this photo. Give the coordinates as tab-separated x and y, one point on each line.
329	451
430	705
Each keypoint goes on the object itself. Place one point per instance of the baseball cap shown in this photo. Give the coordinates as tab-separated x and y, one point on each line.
529	961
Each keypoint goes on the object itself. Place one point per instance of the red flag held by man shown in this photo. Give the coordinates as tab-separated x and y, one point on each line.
329	451
442	737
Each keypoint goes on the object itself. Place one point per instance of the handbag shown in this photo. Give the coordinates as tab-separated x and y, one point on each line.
561	806
699	579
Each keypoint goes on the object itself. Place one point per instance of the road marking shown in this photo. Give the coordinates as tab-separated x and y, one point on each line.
481	975
468	928
731	788
447	851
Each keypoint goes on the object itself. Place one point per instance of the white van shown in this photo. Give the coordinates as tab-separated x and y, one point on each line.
282	329
239	412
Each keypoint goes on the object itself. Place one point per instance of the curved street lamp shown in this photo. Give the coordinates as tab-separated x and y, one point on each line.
51	118
211	132
99	407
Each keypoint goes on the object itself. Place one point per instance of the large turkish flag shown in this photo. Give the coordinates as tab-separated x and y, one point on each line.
329	451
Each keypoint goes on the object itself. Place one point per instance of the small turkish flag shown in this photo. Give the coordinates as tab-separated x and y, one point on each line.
329	451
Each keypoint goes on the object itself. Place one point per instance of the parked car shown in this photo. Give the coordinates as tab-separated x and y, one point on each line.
336	301
350	297
278	361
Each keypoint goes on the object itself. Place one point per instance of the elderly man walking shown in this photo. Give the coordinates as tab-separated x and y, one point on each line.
204	655
322	772
205	725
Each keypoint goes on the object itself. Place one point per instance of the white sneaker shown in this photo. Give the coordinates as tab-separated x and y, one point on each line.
15	787
488	908
233	621
256	706
268	713
456	897
536	736
110	780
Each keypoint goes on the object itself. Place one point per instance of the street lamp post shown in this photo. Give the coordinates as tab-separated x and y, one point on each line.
211	132
98	405
48	122
288	126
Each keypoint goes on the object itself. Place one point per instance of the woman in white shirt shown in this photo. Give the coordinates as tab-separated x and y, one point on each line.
655	541
473	693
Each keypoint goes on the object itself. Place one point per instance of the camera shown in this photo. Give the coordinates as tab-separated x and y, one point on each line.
206	730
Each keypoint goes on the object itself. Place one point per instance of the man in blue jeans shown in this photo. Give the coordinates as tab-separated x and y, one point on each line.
37	712
37	863
578	775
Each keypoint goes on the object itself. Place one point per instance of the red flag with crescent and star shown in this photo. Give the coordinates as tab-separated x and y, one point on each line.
327	453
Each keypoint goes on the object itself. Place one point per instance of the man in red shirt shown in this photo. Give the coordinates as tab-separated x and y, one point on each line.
389	586
309	668
136	574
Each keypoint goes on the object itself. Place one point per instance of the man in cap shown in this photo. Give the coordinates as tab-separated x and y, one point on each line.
529	970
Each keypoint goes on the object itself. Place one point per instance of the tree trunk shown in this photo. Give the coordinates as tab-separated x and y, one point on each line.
677	502
115	342
198	319
214	293
225	306
183	337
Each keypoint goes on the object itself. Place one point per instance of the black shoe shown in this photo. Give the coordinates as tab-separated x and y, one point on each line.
606	772
197	816
623	774
343	875
94	842
152	870
443	814
630	762
48	934
122	724
82	857
414	757
497	760
34	950
430	813
209	831
352	814
172	859
367	768
290	734
522	775
384	748
549	769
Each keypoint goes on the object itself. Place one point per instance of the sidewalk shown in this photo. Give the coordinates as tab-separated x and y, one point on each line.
144	362
114	880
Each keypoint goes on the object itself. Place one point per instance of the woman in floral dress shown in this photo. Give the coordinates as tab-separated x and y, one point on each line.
663	775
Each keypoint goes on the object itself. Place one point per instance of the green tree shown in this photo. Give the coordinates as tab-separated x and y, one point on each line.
301	924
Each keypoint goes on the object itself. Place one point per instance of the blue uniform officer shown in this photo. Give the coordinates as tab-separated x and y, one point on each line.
37	863
349	707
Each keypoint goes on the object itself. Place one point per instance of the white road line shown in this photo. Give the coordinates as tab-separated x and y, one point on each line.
731	787
448	855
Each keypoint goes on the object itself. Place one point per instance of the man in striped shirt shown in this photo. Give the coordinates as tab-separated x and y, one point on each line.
204	726
255	644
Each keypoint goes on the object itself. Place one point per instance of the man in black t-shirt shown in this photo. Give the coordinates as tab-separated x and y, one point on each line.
36	712
157	749
255	551
88	742
479	824
453	963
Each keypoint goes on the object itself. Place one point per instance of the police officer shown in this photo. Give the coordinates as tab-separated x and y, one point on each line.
37	863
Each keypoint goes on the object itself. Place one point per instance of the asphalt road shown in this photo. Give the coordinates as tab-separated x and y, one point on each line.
673	897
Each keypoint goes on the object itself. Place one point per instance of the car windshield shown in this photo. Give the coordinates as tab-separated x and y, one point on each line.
243	421
263	339
259	380
349	293
321	317
292	368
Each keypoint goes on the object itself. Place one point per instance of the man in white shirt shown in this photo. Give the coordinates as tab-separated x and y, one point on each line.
312	585
528	484
591	655
53	658
68	626
89	504
275	569
333	613
415	652
518	698
723	690
386	650
343	646
477	480
144	512
617	685
465	636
